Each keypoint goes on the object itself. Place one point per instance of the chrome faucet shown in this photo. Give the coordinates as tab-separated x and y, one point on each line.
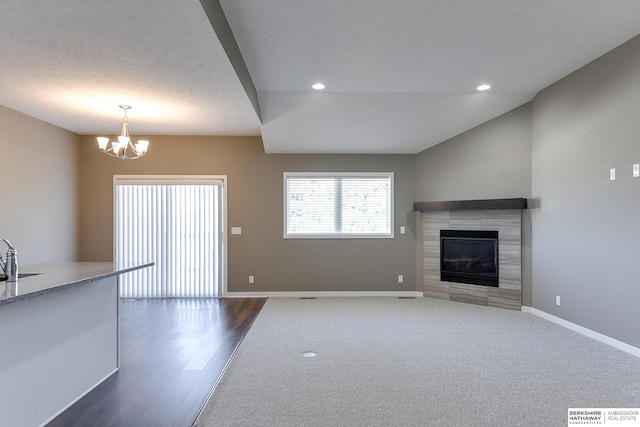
10	265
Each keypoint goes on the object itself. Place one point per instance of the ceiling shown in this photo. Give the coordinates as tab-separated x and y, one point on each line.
400	76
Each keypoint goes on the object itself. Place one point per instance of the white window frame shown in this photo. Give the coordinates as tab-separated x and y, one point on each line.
285	197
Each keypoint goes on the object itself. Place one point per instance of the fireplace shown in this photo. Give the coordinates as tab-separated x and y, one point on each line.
469	256
502	215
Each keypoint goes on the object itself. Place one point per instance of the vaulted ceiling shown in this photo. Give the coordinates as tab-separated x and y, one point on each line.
400	76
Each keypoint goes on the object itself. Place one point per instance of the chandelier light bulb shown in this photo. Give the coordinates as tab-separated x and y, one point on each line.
142	146
103	142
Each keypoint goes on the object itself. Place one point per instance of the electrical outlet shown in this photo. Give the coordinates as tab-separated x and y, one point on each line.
558	300
612	174
402	229
400	278
251	279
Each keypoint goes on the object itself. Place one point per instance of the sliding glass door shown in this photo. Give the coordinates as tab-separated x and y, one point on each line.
176	222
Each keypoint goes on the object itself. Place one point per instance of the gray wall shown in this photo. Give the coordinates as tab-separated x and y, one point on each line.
490	161
586	231
582	230
38	208
255	203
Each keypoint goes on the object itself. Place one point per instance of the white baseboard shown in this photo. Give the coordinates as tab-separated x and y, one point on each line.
323	294
584	331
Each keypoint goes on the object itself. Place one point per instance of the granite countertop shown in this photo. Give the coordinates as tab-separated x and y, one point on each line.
58	276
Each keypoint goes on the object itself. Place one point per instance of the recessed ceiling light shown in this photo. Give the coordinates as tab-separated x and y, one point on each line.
484	87
318	86
309	354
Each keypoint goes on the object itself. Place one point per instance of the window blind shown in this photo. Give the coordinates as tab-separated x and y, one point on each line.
345	205
174	226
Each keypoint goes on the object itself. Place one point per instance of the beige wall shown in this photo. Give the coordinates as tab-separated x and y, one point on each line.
38	189
255	204
582	228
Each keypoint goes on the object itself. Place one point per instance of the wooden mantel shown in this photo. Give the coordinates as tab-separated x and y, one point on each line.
458	205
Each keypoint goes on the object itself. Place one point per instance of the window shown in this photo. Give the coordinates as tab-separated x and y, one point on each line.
177	223
330	205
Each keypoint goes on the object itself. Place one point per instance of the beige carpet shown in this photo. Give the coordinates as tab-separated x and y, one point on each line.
414	362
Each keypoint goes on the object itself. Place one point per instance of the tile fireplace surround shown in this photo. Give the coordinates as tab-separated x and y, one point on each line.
503	215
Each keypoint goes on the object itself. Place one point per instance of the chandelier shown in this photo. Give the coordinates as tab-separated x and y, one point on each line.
123	148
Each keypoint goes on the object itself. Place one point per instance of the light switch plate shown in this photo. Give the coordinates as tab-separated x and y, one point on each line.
636	170
612	174
236	230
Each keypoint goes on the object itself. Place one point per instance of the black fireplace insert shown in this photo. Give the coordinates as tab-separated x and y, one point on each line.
469	256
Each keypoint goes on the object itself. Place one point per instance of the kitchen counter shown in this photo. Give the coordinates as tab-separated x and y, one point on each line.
59	337
59	276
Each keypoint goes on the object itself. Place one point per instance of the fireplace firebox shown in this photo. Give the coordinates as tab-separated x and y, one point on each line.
469	256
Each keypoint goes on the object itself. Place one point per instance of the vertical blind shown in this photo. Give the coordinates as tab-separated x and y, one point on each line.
177	227
325	205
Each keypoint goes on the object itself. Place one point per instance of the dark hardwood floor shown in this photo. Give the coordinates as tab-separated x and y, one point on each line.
172	352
